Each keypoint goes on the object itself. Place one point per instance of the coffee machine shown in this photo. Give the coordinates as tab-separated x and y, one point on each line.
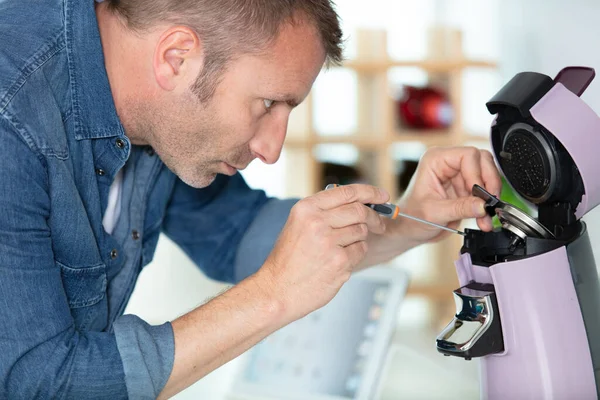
528	306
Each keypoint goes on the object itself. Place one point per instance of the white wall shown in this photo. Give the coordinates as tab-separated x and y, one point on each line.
546	36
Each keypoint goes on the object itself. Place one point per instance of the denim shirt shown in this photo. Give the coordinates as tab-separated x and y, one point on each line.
64	282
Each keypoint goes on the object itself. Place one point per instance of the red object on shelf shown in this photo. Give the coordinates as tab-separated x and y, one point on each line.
425	108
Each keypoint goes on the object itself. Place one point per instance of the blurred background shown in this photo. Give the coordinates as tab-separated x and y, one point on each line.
418	74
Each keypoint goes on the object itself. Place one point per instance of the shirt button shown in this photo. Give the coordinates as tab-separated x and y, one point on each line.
120	143
100	172
135	234
150	151
114	253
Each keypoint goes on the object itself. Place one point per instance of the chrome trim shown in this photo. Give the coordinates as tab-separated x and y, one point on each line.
474	315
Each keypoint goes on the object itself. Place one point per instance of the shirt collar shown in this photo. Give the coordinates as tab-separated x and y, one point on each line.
94	111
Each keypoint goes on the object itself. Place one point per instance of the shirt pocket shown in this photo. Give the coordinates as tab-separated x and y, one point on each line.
84	286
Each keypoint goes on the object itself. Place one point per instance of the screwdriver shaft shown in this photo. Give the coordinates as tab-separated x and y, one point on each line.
432	224
392	211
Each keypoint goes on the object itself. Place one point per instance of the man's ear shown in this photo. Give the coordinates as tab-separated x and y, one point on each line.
177	58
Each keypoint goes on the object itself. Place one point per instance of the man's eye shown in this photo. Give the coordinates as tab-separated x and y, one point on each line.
268	103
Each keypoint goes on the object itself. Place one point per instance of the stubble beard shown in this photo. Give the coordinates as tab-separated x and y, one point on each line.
175	147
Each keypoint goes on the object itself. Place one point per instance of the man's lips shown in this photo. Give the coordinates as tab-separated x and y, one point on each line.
239	167
231	170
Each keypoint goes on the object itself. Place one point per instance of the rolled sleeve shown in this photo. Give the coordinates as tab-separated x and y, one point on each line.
260	237
147	353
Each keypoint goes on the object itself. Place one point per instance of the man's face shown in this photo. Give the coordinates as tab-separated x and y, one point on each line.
247	116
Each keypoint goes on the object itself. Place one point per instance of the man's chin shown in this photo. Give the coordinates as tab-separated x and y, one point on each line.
199	182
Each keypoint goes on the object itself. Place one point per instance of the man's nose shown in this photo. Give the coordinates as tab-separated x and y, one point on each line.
268	141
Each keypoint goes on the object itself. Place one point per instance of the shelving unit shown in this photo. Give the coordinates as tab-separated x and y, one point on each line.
378	132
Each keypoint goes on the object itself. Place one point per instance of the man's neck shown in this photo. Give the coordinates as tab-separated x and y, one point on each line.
123	53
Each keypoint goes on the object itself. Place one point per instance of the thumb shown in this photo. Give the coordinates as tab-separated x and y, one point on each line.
461	208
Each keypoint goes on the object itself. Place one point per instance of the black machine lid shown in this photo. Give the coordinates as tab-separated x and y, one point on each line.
532	160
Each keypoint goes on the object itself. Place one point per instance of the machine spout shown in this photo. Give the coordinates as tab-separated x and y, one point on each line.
475	330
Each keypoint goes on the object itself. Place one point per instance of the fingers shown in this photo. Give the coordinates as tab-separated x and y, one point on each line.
479	169
473	165
460	189
460	208
356	252
450	162
485	223
470	167
355	213
492	183
490	174
336	197
351	234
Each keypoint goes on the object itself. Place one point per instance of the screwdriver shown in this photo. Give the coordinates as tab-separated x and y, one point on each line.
392	211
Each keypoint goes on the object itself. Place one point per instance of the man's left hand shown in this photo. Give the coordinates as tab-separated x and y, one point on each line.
440	192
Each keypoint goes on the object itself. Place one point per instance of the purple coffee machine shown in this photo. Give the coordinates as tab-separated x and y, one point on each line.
529	302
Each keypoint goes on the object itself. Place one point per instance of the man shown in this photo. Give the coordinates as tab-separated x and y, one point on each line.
124	119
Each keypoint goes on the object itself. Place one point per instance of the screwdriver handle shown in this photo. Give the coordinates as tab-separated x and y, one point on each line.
388	210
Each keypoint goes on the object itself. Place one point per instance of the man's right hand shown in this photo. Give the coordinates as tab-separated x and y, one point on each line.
322	242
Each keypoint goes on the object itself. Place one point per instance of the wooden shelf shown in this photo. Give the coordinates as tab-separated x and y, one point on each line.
427	65
477	139
360	141
427	137
376	141
433	291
